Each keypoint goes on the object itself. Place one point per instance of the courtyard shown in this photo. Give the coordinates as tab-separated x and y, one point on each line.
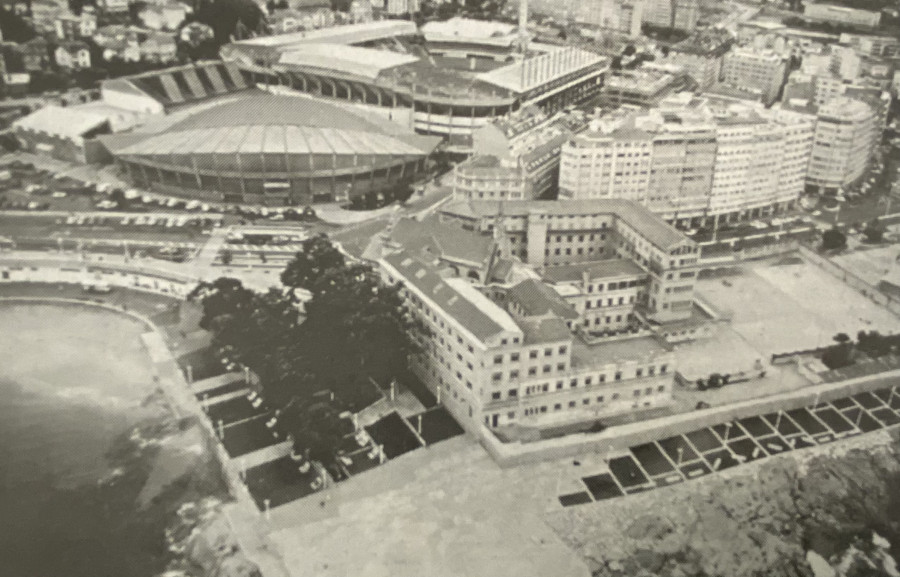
791	305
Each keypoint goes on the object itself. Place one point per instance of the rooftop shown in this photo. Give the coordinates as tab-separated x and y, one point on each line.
348	34
466	29
537	299
640	349
70	122
482	318
363	62
555	62
709	42
183	84
656	230
546	330
443	240
260	122
611	268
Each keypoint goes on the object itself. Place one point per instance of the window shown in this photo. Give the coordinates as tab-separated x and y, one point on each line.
532	371
557	406
602	378
514	357
548	352
637	392
651	371
588	381
560	366
648	391
563	349
571	404
497	377
615	396
532	354
503	342
573	383
547	369
661	389
498	359
495	396
663	369
585	401
600	399
639	373
513	375
511	415
618	375
559	385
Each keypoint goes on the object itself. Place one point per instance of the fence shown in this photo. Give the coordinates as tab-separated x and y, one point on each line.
851	279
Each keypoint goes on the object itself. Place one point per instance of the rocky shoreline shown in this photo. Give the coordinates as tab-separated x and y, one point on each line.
840	504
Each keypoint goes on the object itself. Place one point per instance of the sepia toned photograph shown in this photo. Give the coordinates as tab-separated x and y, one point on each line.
449	288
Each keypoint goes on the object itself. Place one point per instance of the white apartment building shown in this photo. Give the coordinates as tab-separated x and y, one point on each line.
842	15
623	16
677	14
847	132
762	71
706	160
401	7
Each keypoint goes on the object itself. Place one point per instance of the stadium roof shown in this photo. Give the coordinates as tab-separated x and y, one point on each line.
555	62
650	225
267	123
468	30
183	84
365	62
347	34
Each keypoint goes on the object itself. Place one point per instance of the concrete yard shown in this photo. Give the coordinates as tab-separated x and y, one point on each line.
872	264
780	308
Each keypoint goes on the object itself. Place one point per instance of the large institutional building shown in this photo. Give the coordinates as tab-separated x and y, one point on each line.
544	314
846	134
693	160
466	74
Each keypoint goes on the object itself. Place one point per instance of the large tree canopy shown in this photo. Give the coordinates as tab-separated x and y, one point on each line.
316	257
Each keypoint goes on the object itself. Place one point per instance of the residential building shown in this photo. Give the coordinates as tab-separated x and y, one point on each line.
159	47
622	16
702	55
72	27
761	71
875	46
676	14
693	161
167	16
73	55
506	347
847	133
35	54
516	158
401	7
112	7
361	11
645	87
842	15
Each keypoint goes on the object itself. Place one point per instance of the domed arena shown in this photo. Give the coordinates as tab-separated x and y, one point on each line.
256	147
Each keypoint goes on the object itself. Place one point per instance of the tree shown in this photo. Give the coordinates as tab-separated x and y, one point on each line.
629	50
227	257
840	354
874	232
315	427
834	239
316	257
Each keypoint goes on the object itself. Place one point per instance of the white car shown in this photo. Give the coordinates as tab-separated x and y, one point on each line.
59	194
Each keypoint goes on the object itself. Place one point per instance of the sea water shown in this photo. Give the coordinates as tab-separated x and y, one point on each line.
73	383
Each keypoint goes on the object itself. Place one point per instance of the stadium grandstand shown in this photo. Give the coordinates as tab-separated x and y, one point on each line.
256	147
452	78
165	90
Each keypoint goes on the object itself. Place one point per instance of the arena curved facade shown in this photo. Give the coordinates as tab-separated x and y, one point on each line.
275	150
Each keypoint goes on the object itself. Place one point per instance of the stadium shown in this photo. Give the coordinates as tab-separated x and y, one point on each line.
255	147
448	79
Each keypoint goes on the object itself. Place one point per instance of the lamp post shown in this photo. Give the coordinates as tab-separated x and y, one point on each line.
680	456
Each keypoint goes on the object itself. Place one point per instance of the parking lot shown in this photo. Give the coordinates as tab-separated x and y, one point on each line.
683	457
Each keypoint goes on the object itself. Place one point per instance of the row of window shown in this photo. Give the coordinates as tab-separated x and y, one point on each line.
600	399
574	382
532	354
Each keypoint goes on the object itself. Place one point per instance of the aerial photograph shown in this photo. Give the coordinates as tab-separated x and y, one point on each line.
449	288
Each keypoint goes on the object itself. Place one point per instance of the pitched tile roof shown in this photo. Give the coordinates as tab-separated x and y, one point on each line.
475	318
595	270
444	240
537	299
